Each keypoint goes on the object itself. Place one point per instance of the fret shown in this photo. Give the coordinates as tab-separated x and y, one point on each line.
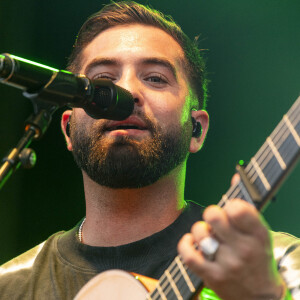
293	116
280	133
272	170
285	143
267	163
260	174
178	278
185	275
161	293
261	157
292	129
297	127
160	289
276	153
224	198
233	192
173	285
194	278
289	149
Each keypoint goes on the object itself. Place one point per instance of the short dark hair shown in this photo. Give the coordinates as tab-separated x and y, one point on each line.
130	12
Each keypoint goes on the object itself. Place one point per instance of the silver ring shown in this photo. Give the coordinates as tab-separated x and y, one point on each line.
209	247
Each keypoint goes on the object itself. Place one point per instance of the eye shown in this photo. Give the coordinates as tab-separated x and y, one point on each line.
157	79
105	76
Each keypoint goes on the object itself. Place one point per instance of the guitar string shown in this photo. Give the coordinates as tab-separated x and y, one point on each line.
166	286
251	171
250	168
281	137
161	280
176	281
227	196
278	129
294	118
293	115
262	154
265	160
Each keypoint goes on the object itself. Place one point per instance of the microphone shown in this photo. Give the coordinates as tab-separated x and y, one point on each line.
100	98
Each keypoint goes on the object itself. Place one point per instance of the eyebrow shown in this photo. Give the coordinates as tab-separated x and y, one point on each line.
147	61
100	62
161	62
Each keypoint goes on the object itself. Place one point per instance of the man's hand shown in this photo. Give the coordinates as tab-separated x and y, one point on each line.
243	267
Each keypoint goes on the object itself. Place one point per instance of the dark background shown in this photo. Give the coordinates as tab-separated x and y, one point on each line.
253	53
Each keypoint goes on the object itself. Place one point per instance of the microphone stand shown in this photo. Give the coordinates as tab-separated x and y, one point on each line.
35	127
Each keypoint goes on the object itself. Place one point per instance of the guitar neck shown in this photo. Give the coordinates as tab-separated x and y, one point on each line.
272	163
265	172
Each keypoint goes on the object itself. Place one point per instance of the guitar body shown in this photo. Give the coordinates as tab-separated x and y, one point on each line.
117	285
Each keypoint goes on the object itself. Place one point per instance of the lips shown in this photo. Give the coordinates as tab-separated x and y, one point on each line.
128	124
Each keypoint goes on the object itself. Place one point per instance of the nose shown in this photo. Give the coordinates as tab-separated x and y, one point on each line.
131	83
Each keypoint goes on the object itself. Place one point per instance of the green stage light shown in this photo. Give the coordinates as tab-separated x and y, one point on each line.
32	62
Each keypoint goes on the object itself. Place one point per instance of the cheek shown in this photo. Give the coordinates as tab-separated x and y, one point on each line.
80	117
80	114
166	107
185	114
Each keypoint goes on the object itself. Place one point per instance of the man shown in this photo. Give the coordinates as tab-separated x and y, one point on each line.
134	172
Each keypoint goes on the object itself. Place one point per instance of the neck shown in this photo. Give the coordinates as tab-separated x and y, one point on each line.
120	216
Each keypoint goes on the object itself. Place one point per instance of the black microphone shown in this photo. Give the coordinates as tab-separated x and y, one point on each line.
100	98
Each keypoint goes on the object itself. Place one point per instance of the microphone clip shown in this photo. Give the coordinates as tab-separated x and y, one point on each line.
62	89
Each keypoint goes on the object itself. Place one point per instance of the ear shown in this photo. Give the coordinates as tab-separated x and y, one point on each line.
64	121
202	117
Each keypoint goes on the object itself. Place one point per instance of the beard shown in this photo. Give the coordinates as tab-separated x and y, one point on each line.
123	161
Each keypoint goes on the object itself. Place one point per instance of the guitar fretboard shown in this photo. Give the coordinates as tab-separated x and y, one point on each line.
266	171
272	162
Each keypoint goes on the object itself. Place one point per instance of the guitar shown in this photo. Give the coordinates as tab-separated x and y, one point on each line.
259	181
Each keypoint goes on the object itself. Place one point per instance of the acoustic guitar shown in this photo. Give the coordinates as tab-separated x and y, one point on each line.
259	181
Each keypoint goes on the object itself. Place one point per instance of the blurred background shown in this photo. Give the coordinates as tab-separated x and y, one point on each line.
253	57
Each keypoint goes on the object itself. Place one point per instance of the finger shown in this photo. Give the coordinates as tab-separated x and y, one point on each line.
200	230
244	217
192	257
217	218
235	179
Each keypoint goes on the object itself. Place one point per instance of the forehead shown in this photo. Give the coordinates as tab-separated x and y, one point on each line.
133	42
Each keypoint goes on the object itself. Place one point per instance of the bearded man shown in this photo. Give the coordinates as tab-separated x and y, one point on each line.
134	173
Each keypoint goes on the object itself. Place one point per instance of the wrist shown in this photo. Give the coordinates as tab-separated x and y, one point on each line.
286	294
282	294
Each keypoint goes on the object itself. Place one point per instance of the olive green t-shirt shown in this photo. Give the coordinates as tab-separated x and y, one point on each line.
59	267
